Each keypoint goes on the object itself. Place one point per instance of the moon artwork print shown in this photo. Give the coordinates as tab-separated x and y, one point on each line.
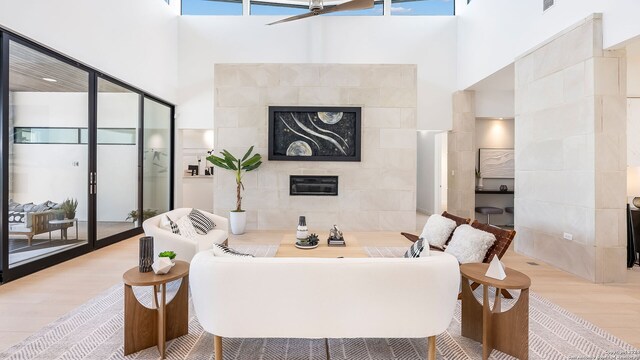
314	133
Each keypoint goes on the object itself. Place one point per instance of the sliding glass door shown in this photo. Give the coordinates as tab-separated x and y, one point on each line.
86	158
48	159
157	157
118	118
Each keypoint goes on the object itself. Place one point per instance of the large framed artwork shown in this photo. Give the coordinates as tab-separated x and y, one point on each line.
497	163
314	133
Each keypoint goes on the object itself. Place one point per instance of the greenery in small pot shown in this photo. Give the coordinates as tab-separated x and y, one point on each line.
69	207
239	166
170	254
146	213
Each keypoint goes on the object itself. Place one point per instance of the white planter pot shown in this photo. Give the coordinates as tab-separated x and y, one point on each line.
237	221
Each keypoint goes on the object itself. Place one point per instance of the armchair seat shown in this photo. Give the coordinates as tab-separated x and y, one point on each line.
185	248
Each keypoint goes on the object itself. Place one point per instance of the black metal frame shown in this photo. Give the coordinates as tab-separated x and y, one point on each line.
8	274
358	132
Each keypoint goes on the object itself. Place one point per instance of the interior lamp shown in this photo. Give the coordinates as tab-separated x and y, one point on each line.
633	185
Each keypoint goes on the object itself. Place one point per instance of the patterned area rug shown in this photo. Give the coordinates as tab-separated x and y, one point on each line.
95	331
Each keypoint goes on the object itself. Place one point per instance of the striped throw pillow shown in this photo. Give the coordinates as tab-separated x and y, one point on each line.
221	250
415	250
201	222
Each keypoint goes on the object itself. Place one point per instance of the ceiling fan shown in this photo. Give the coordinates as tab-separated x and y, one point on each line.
316	7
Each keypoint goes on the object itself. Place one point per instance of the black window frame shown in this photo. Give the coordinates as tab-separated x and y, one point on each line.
8	273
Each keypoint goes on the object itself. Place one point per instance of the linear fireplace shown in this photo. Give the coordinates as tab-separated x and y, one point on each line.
313	185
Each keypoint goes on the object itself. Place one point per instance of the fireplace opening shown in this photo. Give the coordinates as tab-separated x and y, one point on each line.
313	185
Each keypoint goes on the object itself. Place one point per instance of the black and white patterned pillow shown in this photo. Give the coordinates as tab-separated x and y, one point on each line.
16	217
415	250
221	250
173	226
201	222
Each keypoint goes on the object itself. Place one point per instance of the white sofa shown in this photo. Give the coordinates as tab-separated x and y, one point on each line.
243	297
185	248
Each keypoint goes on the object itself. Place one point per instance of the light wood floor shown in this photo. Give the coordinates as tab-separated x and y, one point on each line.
28	304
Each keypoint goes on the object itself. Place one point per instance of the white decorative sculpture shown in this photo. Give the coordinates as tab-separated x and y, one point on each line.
496	269
162	265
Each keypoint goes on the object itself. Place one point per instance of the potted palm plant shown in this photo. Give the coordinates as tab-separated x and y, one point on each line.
237	217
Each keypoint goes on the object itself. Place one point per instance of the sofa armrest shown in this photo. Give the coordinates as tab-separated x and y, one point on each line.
164	240
222	223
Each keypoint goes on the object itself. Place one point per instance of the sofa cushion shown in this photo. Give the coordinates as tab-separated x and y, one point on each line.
185	227
418	249
221	250
469	245
201	222
27	207
437	230
13	205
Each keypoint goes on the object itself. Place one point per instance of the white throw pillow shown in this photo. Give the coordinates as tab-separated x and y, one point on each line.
470	245
437	230
186	227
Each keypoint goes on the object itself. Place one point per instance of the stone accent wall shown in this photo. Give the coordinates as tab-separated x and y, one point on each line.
461	197
378	193
571	154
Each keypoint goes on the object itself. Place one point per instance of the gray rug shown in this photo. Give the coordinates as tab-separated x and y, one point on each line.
94	331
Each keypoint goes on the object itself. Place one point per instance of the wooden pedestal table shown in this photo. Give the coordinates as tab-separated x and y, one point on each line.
144	327
506	331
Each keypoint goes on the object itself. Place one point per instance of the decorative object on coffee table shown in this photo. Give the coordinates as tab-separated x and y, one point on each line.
310	242
162	265
302	232
237	217
506	331
146	254
168	254
145	327
335	237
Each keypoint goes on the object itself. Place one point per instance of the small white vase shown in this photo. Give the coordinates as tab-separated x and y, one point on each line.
237	221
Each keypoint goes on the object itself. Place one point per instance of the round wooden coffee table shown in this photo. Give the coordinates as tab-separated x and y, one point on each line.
145	327
506	331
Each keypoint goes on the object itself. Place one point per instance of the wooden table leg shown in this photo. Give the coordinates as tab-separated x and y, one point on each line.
487	341
140	324
432	348
217	347
162	320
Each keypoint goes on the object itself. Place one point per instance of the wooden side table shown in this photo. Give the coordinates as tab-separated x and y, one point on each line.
144	327
506	331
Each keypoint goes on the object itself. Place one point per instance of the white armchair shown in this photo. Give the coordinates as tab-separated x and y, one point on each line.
185	248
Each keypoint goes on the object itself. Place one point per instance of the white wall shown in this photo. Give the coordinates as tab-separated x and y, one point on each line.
496	104
426	171
429	42
492	33
134	41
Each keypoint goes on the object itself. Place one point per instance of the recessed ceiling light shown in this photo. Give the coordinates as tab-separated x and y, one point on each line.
49	79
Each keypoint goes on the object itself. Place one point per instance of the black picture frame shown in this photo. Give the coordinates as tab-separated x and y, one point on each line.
355	116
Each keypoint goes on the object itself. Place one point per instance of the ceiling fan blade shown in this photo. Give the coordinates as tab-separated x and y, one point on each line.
349	5
297	17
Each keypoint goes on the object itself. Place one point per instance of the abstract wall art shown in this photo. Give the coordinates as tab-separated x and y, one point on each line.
318	133
497	163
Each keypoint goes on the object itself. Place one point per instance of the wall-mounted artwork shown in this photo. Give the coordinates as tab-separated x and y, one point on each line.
497	163
314	133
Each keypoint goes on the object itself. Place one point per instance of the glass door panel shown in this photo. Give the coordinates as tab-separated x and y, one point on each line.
118	112
157	158
48	164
